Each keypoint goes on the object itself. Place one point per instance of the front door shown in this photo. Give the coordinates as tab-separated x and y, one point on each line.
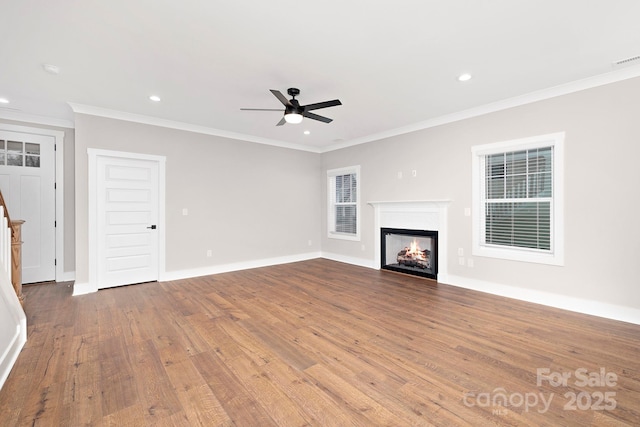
27	181
127	213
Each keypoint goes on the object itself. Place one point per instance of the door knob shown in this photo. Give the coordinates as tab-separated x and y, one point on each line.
153	227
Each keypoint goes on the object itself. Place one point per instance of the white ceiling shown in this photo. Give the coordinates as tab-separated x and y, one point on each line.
392	64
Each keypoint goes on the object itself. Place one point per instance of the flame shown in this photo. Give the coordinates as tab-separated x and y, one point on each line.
414	250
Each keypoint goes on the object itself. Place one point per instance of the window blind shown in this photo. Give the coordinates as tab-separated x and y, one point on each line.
345	204
518	198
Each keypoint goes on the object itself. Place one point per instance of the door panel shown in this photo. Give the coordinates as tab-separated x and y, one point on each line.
127	207
27	181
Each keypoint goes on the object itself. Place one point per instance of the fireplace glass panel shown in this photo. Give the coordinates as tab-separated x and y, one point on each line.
410	251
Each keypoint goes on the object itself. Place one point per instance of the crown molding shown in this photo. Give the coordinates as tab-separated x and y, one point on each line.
171	124
540	95
564	89
19	116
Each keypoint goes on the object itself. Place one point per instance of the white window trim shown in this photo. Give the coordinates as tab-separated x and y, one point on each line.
330	213
556	255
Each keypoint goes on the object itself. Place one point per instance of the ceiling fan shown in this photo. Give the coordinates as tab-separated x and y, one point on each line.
293	111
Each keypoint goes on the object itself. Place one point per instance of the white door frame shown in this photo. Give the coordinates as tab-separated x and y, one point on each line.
58	137
94	153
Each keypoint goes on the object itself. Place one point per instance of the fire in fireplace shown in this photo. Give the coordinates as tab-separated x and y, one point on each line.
410	251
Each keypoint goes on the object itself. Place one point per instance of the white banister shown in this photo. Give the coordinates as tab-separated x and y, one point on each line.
13	321
5	240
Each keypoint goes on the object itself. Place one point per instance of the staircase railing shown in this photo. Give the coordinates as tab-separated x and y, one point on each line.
13	321
12	258
6	233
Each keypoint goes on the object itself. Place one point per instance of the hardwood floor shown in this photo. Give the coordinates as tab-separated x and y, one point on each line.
315	343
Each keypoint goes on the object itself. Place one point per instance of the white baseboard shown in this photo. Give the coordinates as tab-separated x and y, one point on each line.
83	288
578	305
10	354
362	262
236	266
87	288
14	324
67	276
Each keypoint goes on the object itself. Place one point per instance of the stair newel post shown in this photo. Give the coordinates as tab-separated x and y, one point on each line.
16	258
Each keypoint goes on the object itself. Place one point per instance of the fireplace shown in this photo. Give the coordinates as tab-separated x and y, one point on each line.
409	251
414	215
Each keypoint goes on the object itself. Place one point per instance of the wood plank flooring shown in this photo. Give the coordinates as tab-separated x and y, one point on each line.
315	343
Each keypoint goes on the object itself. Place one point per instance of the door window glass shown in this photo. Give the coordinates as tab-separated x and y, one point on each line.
17	153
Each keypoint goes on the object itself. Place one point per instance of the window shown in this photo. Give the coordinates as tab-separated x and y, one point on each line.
343	217
517	199
17	153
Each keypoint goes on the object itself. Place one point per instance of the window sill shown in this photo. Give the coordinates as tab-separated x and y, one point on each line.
514	254
344	236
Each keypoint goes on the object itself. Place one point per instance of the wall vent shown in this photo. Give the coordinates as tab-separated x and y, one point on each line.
627	61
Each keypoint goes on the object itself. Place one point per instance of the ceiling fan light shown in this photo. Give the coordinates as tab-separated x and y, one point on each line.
293	118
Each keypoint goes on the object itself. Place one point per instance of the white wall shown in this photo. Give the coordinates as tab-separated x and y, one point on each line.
602	232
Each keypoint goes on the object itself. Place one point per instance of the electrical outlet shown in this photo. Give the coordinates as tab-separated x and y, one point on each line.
470	262
460	251
414	173
399	174
461	260
185	211
209	253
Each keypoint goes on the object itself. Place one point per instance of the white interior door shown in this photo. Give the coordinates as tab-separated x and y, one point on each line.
127	214
27	181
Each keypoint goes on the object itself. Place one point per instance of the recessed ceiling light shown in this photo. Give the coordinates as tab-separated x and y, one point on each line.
51	69
154	98
307	132
464	77
4	101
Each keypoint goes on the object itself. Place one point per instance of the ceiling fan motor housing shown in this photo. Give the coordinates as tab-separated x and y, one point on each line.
293	109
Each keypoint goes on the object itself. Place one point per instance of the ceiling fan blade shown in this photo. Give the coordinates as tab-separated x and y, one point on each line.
319	105
317	117
281	122
280	97
260	109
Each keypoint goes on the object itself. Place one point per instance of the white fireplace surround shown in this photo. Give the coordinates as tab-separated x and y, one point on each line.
414	215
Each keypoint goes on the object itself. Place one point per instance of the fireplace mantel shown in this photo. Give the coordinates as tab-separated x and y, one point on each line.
418	215
410	203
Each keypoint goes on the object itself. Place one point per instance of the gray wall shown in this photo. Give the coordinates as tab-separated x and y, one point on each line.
249	201
602	201
246	201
